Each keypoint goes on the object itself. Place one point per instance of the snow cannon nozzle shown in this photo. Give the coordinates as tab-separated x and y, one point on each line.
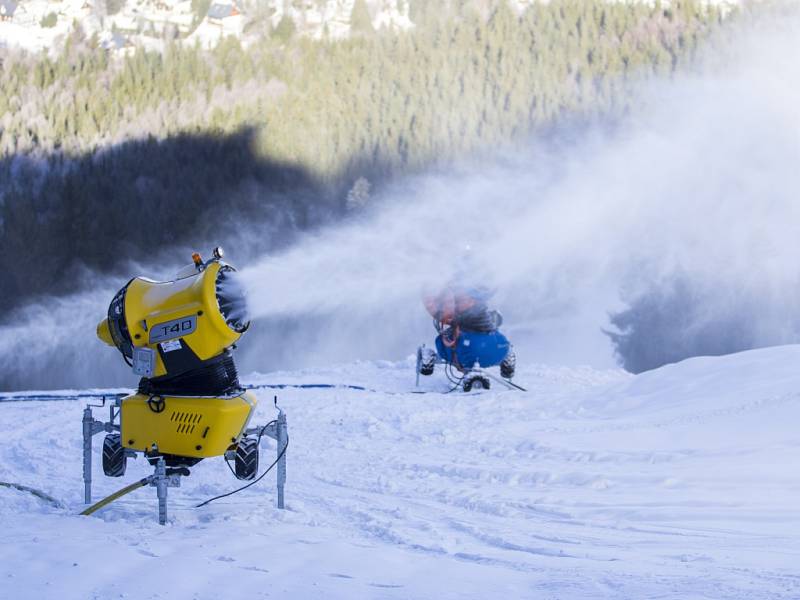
188	324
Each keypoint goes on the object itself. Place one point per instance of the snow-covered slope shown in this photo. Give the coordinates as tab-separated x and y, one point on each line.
678	483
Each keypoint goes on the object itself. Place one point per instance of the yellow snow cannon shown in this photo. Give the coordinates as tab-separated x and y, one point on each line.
178	336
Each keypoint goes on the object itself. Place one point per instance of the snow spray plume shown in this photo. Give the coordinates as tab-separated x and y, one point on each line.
699	185
682	222
53	344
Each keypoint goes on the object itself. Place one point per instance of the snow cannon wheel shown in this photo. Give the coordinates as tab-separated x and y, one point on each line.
476	383
426	361
246	461
509	365
114	459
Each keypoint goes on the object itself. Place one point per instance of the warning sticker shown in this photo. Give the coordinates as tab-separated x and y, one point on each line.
171	345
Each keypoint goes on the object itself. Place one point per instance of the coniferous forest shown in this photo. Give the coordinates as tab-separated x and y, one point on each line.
95	148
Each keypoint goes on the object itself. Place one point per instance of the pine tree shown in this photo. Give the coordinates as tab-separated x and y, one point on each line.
360	19
285	29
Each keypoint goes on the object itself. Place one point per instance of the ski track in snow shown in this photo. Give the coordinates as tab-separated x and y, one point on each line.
678	483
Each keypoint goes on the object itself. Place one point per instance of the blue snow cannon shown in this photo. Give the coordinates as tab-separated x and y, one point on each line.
468	340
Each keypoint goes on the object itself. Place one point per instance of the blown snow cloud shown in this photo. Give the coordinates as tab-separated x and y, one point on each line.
699	183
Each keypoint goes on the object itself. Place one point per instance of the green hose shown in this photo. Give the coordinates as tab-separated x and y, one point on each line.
116	495
38	493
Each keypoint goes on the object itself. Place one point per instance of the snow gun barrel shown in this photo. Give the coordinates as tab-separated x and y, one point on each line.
166	328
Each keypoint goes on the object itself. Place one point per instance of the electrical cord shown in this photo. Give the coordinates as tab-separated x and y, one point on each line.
255	481
252	483
448	371
264	428
454	379
230	468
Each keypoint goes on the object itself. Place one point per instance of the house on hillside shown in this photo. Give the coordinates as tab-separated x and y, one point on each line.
218	12
116	43
226	18
7	10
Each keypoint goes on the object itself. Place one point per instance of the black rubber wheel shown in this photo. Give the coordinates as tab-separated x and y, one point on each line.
509	365
425	362
477	383
246	462
114	459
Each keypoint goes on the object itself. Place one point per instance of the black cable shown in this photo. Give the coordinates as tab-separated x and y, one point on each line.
454	388
255	481
448	371
264	428
456	381
228	464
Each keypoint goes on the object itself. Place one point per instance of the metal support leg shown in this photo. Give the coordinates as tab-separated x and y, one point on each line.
419	362
88	423
161	490
282	441
91	427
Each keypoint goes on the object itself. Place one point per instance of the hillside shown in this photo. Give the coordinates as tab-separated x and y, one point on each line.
278	131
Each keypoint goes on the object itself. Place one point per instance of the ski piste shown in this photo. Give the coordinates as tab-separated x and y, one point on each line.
165	477
676	483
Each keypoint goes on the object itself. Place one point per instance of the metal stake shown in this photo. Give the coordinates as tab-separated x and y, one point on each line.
282	441
161	489
88	423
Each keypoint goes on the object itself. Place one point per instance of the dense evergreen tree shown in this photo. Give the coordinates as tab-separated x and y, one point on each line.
360	19
285	29
200	9
481	75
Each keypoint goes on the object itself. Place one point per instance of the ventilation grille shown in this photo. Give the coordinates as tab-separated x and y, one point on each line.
186	421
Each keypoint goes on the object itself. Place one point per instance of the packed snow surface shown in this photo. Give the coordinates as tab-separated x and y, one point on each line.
677	483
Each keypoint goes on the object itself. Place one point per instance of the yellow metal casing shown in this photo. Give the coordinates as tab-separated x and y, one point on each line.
155	309
193	427
104	333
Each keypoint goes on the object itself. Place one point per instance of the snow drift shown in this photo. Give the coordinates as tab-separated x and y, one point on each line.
677	483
